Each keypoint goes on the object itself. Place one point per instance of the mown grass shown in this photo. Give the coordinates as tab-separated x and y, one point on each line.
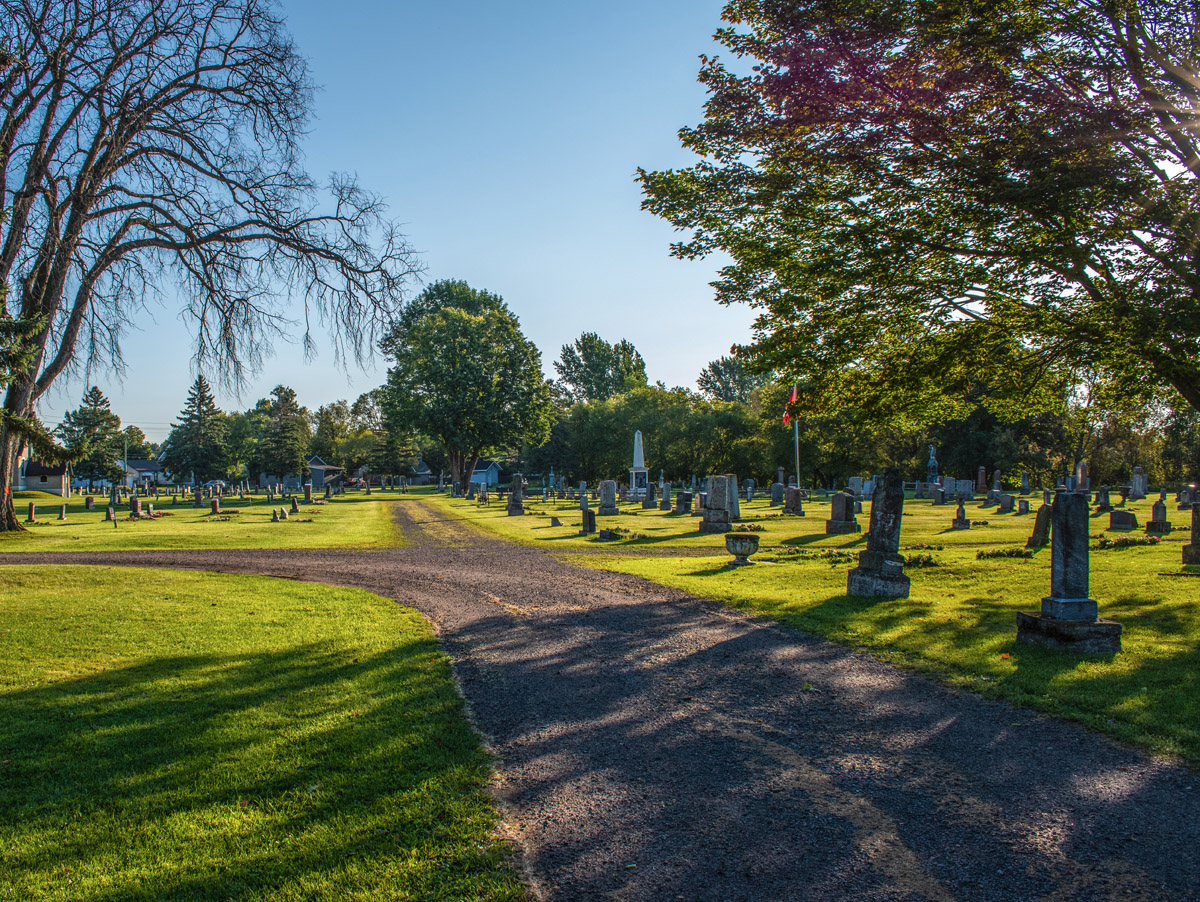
959	623
354	520
170	736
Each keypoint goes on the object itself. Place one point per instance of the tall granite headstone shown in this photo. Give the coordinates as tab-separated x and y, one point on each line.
1069	618
1191	551
608	499
880	570
841	515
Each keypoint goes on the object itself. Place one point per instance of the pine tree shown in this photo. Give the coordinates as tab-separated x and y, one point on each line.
286	436
196	446
92	433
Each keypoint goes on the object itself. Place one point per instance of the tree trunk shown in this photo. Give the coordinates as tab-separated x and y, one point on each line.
9	522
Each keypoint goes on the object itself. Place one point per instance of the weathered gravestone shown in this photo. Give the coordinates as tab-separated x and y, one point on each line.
554	521
32	513
665	503
1069	618
793	502
1024	482
1191	551
214	506
939	496
880	570
718	515
964	490
841	515
295	506
110	514
274	515
649	501
1186	496
961	520
328	493
1158	525
1041	528
1139	485
1103	501
1122	520
855	486
683	503
589	523
516	505
981	479
90	503
777	489
308	493
1006	502
608	499
1022	506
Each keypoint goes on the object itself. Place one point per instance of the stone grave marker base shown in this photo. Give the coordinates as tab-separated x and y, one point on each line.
841	527
1081	637
877	584
1191	553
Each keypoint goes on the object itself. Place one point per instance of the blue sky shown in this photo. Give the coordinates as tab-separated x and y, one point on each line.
505	138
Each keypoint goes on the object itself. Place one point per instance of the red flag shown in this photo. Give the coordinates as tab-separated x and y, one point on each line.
791	400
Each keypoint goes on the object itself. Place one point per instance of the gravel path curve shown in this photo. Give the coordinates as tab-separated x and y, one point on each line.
654	746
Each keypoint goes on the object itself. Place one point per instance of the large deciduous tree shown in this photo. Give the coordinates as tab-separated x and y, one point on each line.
152	145
285	437
728	379
464	374
592	369
920	195
197	446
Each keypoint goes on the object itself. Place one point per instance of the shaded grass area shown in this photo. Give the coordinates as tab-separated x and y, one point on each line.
354	520
959	623
197	736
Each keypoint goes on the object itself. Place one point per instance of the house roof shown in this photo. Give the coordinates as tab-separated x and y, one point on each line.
316	461
146	466
484	465
422	469
37	468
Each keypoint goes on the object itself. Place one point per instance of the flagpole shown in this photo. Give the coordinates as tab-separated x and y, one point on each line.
796	427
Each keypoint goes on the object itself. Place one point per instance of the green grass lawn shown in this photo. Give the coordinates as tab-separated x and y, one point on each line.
959	623
169	736
354	520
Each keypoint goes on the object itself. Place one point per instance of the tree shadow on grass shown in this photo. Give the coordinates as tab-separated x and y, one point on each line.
224	777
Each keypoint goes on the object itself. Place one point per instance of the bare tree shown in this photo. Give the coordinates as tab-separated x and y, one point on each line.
147	144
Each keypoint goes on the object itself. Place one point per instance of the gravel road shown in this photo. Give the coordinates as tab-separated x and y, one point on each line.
653	746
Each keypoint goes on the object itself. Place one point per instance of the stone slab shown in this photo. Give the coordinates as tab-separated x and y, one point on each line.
1099	637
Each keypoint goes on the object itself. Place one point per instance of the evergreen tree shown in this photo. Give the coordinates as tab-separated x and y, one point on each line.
286	436
196	447
92	433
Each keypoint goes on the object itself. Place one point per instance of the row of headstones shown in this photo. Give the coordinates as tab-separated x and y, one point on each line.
1068	619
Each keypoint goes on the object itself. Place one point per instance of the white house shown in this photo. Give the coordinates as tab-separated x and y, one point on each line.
486	472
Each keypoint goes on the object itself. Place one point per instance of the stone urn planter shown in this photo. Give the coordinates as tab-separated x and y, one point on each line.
741	545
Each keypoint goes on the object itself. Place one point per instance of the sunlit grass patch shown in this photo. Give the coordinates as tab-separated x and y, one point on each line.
195	736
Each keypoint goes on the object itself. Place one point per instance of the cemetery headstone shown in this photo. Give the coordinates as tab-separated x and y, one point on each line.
110	514
1123	520
589	523
1023	506
1069	619
90	503
1158	525
880	570
665	503
981	479
1139	485
516	498
1191	551
308	493
649	501
718	513
777	489
639	476
1186	497
931	469
1024	482
855	485
274	515
793	502
939	496
1006	502
1041	528
961	520
1103	502
135	506
841	515
608	499
554	521
215	505
683	503
32	513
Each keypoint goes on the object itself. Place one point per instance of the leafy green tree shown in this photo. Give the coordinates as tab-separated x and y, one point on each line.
331	433
591	369
918	194
464	374
244	440
137	447
728	379
197	447
285	437
92	432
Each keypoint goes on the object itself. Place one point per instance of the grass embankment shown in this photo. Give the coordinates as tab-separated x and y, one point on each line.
355	520
959	623
195	736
